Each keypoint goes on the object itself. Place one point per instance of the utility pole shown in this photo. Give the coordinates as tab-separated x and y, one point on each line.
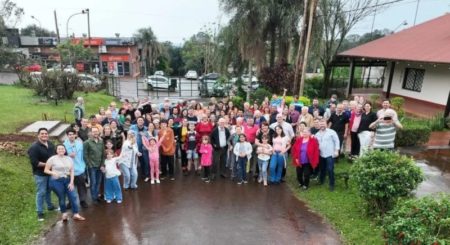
56	25
312	12
417	10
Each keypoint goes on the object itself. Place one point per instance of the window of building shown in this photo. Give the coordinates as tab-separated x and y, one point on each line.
126	66
413	79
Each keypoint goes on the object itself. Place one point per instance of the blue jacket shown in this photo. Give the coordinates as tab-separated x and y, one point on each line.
79	166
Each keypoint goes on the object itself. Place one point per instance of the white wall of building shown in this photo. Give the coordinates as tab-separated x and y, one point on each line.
435	87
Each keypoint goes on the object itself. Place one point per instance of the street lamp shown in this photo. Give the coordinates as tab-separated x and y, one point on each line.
404	23
67	23
36	19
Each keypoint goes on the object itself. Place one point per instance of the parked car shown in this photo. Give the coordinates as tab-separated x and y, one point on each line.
254	85
245	79
191	75
160	82
209	86
68	69
89	80
159	73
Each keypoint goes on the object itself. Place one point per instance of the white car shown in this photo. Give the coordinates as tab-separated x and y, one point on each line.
191	74
159	73
68	69
246	79
89	80
156	81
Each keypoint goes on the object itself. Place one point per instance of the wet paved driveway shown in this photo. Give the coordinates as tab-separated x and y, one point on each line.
188	211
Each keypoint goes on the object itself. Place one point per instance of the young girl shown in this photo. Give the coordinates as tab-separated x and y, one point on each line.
128	161
112	173
234	138
264	151
243	151
206	161
153	155
190	147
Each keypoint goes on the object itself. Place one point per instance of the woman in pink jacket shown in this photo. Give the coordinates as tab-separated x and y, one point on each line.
206	160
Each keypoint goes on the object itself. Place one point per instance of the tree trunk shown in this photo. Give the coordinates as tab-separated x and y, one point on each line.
273	38
326	80
301	46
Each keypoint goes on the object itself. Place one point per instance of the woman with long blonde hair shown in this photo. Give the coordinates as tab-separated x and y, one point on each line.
128	160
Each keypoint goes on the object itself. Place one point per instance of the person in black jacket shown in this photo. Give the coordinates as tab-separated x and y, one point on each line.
39	152
365	133
219	138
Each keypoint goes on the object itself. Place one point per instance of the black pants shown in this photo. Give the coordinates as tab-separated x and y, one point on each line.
303	174
355	144
219	161
184	160
80	182
206	171
167	161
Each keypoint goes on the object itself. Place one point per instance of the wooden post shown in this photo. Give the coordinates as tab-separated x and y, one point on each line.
301	47
352	76
391	76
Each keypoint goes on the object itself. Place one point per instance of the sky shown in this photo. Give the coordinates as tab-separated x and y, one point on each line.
175	20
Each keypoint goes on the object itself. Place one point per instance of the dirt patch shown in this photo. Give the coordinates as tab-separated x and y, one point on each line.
17	138
12	148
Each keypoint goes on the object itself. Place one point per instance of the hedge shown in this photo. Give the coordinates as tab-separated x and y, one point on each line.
412	135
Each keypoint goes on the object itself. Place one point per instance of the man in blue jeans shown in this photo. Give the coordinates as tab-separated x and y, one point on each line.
329	149
39	152
94	157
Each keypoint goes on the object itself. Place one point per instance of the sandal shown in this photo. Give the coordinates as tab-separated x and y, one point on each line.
78	217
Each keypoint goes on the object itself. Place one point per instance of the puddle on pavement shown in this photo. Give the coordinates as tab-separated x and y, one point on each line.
435	163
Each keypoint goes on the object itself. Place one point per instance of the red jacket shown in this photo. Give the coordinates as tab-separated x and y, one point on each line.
312	151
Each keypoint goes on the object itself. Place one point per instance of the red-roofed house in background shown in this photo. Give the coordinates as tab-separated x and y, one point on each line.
418	65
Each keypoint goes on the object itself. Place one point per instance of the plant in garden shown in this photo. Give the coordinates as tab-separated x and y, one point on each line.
260	94
419	221
238	101
413	134
276	78
382	177
397	104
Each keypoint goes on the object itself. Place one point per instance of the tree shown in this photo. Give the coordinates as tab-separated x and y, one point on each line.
10	14
198	53
335	20
151	48
264	29
37	31
176	62
72	53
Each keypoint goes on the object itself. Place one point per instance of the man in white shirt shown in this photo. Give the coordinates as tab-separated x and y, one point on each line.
287	127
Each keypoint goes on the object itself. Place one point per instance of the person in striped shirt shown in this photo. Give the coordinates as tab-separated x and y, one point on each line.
386	129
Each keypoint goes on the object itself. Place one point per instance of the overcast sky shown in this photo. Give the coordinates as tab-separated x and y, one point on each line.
175	20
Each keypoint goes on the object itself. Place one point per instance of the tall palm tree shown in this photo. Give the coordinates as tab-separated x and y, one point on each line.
151	48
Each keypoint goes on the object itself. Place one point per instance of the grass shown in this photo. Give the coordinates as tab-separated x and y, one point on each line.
343	208
20	107
18	221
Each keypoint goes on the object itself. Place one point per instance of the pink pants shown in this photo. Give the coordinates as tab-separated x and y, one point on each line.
154	168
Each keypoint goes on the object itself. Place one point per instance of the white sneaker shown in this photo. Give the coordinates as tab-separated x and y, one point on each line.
108	201
152	182
146	179
157	181
119	201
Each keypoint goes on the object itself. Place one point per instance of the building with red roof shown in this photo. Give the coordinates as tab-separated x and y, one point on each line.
417	63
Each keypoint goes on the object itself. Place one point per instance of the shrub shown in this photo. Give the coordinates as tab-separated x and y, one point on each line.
397	104
419	221
238	101
384	176
260	94
277	78
412	134
56	85
305	100
313	86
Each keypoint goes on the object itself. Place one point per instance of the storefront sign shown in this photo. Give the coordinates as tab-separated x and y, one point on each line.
114	58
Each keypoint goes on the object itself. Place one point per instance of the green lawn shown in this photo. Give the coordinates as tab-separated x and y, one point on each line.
342	208
18	220
20	107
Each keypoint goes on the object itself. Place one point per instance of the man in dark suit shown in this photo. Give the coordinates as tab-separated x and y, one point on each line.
219	139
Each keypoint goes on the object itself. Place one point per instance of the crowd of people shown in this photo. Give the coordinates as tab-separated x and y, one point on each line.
213	140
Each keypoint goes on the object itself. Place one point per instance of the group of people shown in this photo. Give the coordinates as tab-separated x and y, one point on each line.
214	140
